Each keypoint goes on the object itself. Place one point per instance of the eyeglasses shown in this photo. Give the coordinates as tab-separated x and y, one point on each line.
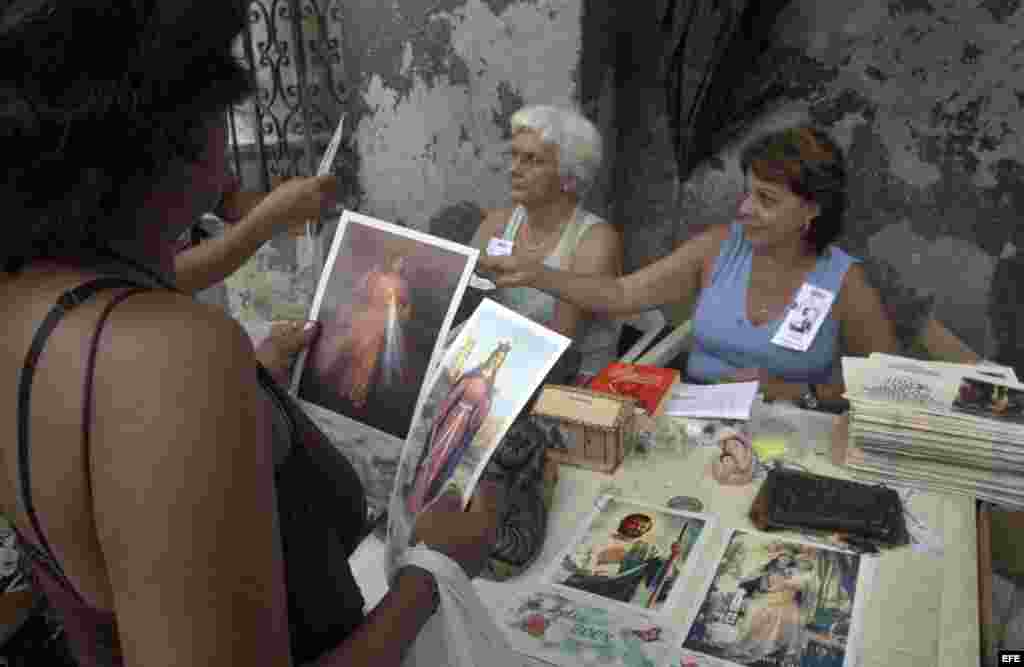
528	160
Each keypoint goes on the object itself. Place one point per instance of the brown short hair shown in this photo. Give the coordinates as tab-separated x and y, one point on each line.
809	162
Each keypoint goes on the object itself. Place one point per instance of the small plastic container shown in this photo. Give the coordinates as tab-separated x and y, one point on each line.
776	433
670	434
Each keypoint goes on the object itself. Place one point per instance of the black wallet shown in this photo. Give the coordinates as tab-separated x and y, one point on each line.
796	500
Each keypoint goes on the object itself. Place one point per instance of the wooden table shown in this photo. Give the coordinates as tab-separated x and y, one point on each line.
923	611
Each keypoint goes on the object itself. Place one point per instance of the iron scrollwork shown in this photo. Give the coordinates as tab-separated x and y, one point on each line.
293	49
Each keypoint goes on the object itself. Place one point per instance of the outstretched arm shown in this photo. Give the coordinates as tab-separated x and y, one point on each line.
293	202
672	279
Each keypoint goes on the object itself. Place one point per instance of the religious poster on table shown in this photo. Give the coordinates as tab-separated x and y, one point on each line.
559	630
483	381
631	557
1001	401
775	602
385	301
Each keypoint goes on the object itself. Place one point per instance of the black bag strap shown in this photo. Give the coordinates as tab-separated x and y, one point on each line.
65	304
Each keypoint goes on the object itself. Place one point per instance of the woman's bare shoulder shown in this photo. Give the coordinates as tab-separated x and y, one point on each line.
161	327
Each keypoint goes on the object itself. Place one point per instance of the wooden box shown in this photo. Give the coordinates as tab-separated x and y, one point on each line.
589	428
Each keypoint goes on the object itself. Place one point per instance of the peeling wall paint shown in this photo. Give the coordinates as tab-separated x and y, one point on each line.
926	96
436	139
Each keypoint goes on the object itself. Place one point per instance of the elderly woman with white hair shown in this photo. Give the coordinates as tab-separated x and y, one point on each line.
553	158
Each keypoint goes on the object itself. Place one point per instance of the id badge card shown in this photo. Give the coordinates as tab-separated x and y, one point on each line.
496	247
804	318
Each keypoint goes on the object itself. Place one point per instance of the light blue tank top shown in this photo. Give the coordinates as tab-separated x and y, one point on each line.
597	338
725	341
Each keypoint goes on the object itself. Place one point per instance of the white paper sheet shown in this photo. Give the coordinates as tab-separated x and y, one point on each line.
720	401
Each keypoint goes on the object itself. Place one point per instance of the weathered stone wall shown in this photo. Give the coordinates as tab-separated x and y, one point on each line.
927	99
925	95
437	82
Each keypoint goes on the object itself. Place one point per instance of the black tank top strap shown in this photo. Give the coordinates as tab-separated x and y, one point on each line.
65	303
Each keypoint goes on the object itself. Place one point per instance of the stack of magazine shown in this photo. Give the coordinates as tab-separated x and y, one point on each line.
951	428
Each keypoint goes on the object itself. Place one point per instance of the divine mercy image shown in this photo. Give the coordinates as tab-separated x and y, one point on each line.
630	553
777	603
386	296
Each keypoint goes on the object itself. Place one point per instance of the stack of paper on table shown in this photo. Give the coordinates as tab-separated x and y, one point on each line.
721	401
952	428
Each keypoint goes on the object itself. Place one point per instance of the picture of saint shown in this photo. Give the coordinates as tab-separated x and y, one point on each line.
371	351
384	302
993	401
773	602
638	563
456	423
484	379
618	568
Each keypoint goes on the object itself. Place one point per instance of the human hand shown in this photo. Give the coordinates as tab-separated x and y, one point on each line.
507	270
613	554
287	338
465	537
294	202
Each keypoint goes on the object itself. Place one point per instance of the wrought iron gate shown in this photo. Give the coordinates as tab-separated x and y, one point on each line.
295	50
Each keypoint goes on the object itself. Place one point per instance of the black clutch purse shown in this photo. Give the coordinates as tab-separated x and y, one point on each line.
796	500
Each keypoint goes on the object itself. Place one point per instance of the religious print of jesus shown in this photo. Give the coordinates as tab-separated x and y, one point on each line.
385	300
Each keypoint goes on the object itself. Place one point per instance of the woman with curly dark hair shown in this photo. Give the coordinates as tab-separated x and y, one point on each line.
176	506
753	276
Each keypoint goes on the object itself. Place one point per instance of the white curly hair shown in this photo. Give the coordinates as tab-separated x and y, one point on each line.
578	140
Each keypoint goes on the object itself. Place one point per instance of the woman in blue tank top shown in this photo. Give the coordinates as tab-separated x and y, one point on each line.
776	300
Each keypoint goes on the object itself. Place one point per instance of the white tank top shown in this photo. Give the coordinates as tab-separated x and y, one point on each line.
597	338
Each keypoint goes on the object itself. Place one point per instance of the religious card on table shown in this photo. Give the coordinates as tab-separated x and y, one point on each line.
631	557
560	630
999	400
775	602
385	301
482	383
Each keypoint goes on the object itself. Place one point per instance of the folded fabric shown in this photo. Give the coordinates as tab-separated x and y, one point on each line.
462	633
